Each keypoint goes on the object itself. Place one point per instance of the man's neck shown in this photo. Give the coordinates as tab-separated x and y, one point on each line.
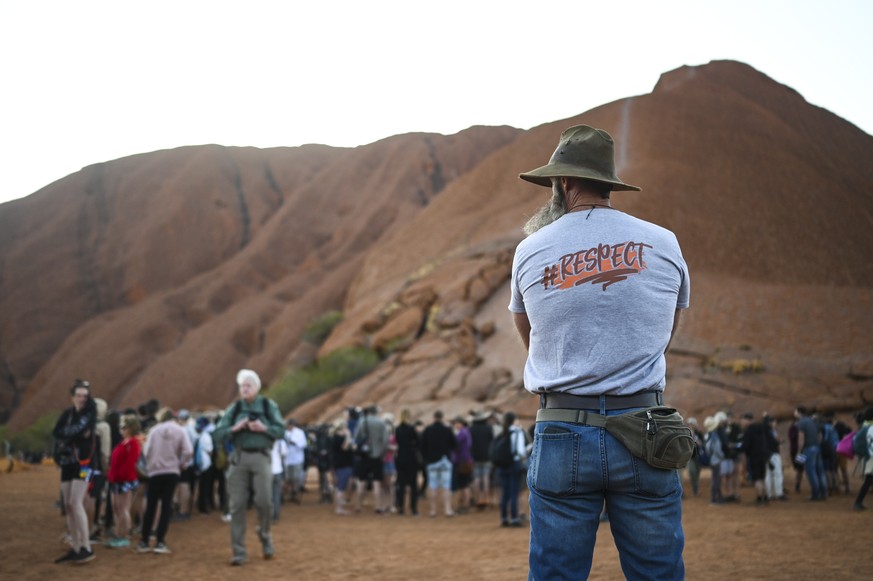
577	202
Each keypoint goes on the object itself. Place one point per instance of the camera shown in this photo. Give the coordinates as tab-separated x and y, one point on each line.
253	417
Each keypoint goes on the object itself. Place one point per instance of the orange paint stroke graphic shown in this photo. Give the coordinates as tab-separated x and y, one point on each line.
604	264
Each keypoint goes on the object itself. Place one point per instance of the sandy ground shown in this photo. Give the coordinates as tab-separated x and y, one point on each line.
787	540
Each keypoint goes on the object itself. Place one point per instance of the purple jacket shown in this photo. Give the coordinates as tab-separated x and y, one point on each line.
464	452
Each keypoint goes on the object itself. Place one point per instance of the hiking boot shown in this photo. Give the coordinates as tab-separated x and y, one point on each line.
83	556
142	547
68	556
162	549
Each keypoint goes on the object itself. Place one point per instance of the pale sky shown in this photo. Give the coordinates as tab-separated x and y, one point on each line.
90	81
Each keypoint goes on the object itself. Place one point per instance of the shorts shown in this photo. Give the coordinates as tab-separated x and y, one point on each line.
389	469
726	467
343	475
439	474
188	476
369	469
75	472
123	487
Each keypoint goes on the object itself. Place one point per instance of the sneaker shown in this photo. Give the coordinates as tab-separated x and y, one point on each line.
68	556
162	549
83	556
237	561
226	517
117	543
142	547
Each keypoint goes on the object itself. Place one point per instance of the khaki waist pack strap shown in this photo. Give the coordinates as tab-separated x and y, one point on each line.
582	417
657	435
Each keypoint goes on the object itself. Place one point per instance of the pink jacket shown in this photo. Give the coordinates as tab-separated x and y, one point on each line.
168	449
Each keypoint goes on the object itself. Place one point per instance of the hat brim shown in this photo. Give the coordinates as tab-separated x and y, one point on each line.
542	176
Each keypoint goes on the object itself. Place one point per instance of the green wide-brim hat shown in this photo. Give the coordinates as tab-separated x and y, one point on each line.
583	152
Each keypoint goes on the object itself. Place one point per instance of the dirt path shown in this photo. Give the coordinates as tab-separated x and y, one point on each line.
788	540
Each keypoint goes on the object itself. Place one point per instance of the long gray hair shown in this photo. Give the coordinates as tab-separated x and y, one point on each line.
550	212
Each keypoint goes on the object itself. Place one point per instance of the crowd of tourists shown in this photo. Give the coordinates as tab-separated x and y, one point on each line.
126	475
751	451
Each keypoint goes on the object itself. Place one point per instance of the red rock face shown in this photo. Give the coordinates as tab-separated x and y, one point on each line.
161	274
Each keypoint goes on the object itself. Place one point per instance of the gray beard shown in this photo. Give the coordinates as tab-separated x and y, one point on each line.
553	210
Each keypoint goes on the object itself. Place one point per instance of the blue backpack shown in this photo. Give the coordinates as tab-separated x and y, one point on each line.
829	441
859	443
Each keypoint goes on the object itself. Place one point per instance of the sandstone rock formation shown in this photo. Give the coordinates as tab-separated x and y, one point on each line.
159	275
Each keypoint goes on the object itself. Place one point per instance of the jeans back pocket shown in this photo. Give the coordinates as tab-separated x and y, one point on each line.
554	463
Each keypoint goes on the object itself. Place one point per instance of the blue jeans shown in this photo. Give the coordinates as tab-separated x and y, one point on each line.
510	483
574	470
815	472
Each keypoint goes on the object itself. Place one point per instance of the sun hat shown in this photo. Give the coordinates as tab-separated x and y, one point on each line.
710	424
583	152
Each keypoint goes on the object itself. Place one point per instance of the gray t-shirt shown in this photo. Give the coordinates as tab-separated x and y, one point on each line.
600	289
810	429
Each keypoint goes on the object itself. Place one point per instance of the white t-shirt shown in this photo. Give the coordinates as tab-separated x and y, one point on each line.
600	289
296	439
277	455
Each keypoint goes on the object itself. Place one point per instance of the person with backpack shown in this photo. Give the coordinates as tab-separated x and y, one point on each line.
862	446
75	446
253	423
509	452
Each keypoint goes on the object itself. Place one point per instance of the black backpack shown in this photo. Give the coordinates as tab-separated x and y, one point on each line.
500	451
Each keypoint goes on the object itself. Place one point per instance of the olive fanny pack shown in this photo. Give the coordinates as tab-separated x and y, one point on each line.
657	435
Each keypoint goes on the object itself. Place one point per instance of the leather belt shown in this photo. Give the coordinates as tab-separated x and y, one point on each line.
569	401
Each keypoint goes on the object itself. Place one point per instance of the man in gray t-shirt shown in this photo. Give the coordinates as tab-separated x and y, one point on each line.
596	298
810	453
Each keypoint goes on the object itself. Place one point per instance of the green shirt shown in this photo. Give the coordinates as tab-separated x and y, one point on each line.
245	439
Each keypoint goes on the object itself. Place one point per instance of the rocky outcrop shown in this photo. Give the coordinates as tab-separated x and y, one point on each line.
160	275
